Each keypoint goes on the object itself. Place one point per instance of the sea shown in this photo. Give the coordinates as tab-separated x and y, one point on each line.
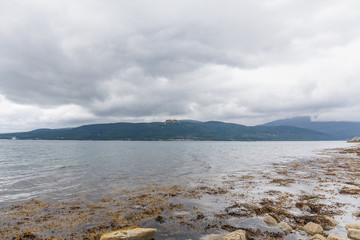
59	170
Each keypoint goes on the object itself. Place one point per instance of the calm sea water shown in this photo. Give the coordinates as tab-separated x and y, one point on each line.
64	169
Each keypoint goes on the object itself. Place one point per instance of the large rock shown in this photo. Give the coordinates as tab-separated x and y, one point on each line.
317	237
133	233
313	228
269	220
237	235
283	226
353	225
333	236
353	233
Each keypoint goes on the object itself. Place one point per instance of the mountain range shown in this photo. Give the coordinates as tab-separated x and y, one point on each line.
294	129
339	130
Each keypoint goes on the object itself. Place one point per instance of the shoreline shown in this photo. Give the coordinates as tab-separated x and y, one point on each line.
322	190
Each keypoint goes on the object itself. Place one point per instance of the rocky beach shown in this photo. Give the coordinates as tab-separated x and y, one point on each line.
313	199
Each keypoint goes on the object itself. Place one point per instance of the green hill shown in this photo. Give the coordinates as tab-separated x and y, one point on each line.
186	130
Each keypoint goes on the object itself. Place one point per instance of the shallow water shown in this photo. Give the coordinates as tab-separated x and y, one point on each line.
65	169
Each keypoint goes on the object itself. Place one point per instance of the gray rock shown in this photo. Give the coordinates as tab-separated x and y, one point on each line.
269	220
313	228
353	233
237	235
132	233
353	225
283	226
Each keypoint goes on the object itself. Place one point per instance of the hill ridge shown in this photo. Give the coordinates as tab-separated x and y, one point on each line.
186	130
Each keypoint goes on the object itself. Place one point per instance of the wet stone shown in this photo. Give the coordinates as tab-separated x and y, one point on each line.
181	213
283	226
353	233
211	237
160	219
306	208
138	207
333	222
356	214
352	225
313	228
251	206
317	237
134	233
237	235
333	236
270	221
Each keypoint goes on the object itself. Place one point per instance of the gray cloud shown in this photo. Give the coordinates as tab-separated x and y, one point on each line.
250	61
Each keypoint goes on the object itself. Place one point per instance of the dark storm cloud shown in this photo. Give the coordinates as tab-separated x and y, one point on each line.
246	61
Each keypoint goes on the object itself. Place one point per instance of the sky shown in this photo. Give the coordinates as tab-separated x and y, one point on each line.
68	63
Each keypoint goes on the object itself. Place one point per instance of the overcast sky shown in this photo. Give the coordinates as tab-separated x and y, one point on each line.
67	63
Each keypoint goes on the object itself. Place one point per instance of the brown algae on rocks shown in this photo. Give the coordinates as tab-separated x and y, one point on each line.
296	193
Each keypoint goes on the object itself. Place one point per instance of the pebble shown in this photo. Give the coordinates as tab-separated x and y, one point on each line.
313	228
270	221
251	205
237	235
283	226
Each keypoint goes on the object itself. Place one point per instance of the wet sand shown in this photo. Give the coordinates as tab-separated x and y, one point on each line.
320	190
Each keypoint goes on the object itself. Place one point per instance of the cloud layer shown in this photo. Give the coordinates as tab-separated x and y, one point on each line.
64	63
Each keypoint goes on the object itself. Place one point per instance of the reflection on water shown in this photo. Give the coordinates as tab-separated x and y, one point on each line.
60	169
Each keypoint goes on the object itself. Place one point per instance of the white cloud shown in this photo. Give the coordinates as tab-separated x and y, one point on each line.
74	62
17	117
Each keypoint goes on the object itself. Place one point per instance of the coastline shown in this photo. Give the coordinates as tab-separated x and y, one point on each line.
322	190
